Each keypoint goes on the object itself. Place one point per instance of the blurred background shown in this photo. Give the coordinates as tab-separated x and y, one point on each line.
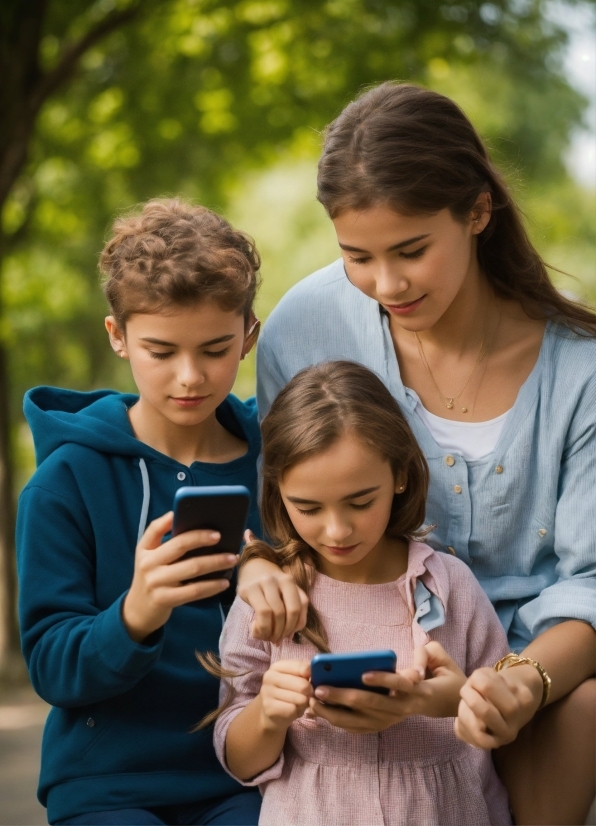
105	104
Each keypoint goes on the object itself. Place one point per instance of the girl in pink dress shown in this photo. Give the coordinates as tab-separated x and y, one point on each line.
344	487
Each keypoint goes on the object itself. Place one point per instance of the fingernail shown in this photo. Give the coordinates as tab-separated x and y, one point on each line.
321	693
231	559
225	583
367	678
214	535
421	671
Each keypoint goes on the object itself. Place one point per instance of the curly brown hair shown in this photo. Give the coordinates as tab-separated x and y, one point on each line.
176	253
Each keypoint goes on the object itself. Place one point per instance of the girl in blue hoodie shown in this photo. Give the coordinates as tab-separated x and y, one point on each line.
110	621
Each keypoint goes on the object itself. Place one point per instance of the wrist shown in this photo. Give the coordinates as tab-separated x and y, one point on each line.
138	627
527	676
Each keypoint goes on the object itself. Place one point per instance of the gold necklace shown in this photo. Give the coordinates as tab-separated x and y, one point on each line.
451	399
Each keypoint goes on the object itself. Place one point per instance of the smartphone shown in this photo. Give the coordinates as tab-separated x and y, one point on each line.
346	670
222	508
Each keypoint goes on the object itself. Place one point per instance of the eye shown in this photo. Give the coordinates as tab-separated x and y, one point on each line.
364	260
309	512
363	506
217	354
415	254
156	355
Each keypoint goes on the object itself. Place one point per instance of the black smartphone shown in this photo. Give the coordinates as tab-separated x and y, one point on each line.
222	508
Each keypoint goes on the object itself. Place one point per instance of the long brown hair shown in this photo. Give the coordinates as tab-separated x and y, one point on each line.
317	407
415	150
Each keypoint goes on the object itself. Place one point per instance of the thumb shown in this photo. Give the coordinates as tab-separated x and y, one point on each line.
438	657
421	660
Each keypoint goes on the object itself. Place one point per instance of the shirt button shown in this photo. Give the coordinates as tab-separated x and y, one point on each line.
181	476
451	549
499	469
449	460
457	488
90	722
542	532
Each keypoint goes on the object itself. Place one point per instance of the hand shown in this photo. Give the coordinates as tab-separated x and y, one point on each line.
285	693
159	585
280	606
410	694
496	705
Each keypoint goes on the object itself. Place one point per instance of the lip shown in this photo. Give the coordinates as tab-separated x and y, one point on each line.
187	402
406	308
341	551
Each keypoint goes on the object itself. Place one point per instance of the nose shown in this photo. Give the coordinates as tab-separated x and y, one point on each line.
389	281
189	372
338	529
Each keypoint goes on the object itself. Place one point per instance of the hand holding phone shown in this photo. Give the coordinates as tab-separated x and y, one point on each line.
221	508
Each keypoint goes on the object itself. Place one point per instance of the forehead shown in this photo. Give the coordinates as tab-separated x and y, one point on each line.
384	225
348	465
198	322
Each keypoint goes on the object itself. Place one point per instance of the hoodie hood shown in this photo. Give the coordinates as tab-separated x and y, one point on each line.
99	420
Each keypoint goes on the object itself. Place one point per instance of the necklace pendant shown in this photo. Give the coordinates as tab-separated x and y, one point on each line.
464	410
450	405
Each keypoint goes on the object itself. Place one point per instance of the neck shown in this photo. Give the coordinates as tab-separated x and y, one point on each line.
386	562
203	442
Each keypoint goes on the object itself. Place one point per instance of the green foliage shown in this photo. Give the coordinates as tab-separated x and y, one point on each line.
203	98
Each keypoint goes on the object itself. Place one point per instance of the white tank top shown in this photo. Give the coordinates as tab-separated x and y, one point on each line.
472	440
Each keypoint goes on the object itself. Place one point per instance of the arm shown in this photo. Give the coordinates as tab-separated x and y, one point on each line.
561	618
250	731
78	654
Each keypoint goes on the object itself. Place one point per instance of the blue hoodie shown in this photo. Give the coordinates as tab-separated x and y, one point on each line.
118	735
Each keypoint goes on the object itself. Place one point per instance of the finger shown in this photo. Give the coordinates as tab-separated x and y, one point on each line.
248	536
284	695
343	718
368	702
490	684
278	610
298	668
421	660
192	592
197	566
485	712
179	545
155	531
471	730
395	682
295	610
262	624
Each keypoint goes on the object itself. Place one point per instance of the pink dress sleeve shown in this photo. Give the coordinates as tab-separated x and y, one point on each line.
250	659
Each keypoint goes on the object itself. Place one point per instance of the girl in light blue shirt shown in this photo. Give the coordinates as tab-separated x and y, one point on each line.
440	292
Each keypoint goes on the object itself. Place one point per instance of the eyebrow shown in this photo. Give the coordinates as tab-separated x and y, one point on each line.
401	244
356	495
210	343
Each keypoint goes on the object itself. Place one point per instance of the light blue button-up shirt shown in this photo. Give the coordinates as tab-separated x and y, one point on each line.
524	517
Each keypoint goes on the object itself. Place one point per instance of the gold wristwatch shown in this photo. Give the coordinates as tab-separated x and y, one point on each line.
510	660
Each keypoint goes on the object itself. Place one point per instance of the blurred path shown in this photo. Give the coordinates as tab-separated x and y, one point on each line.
22	715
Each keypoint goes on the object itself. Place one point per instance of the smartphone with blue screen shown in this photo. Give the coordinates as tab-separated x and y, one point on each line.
346	670
222	508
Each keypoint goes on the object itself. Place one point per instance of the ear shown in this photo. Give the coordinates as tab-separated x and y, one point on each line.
250	339
481	212
117	340
401	483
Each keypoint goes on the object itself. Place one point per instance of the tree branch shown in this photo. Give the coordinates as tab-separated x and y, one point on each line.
67	65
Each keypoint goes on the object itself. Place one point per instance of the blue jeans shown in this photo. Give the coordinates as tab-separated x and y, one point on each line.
240	809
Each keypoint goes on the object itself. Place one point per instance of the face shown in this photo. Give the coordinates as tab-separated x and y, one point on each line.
415	266
340	503
183	362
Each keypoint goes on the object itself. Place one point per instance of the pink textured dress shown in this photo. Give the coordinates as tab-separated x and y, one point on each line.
415	772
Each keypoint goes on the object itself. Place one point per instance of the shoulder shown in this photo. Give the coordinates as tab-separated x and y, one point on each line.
57	475
571	356
241	418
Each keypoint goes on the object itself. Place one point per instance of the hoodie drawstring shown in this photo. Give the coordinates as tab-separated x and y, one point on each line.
146	498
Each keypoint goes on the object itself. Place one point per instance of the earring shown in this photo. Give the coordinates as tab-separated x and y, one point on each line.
401	488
